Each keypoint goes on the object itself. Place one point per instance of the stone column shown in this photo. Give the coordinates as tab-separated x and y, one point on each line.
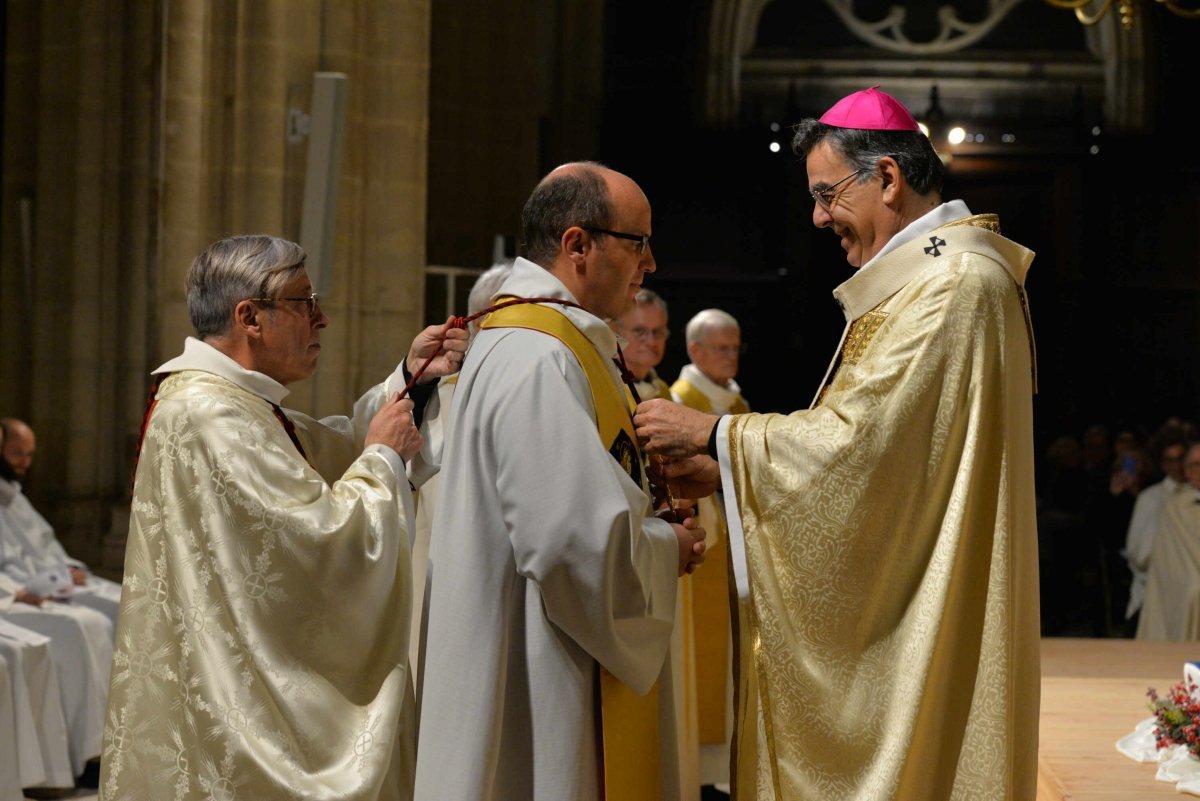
137	133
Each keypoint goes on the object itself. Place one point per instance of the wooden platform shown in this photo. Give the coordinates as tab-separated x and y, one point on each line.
1093	693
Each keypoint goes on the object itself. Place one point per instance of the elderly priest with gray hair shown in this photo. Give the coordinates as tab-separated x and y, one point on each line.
883	541
263	635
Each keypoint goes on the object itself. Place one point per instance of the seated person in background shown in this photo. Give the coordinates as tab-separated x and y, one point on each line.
644	327
36	753
1172	605
69	704
36	558
1169	446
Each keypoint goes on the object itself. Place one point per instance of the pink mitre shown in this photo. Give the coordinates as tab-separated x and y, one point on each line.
870	110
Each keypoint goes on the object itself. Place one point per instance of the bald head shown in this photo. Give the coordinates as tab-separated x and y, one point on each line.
584	194
18	446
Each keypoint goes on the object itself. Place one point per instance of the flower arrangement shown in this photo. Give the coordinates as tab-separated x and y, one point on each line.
1177	717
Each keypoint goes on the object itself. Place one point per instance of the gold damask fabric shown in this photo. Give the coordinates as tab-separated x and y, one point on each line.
262	642
889	642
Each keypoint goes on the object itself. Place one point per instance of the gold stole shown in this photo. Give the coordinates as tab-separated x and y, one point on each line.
629	722
711	601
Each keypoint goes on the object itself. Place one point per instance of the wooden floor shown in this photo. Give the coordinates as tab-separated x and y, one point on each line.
1094	693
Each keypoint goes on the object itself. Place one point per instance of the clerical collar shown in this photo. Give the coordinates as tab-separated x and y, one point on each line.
529	280
948	212
198	355
722	397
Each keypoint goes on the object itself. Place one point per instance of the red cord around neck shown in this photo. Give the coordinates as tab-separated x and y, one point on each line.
461	322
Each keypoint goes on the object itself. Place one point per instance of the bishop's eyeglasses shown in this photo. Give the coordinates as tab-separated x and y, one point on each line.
825	197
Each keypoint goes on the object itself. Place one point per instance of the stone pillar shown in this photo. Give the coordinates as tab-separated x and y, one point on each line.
137	133
78	150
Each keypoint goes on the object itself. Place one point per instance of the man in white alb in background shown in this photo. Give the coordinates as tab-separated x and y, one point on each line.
714	344
478	299
1169	445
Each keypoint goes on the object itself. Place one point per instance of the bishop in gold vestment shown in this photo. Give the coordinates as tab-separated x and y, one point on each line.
883	541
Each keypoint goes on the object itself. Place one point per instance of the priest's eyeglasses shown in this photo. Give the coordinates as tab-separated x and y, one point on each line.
643	240
310	302
825	197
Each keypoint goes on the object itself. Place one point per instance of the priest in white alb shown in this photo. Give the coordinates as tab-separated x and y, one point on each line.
553	585
262	648
883	541
1171	610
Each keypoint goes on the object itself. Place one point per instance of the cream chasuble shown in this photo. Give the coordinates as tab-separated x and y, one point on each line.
1172	607
885	549
263	636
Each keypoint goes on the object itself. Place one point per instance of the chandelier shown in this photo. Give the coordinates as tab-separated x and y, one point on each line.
1127	10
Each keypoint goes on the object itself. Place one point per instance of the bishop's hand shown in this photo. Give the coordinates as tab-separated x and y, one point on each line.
694	477
450	341
669	429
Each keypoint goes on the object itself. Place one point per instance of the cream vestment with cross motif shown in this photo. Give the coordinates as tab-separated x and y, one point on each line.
262	647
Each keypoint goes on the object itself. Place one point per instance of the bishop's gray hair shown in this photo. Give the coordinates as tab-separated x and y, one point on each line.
564	198
707	321
236	269
919	162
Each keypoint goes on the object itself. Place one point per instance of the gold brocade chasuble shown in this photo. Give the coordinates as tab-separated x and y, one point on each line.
629	722
889	629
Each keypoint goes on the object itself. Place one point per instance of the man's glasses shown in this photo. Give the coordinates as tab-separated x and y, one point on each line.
310	301
825	197
643	240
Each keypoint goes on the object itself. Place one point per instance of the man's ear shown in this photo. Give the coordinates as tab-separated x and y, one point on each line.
248	318
890	179
692	348
576	243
